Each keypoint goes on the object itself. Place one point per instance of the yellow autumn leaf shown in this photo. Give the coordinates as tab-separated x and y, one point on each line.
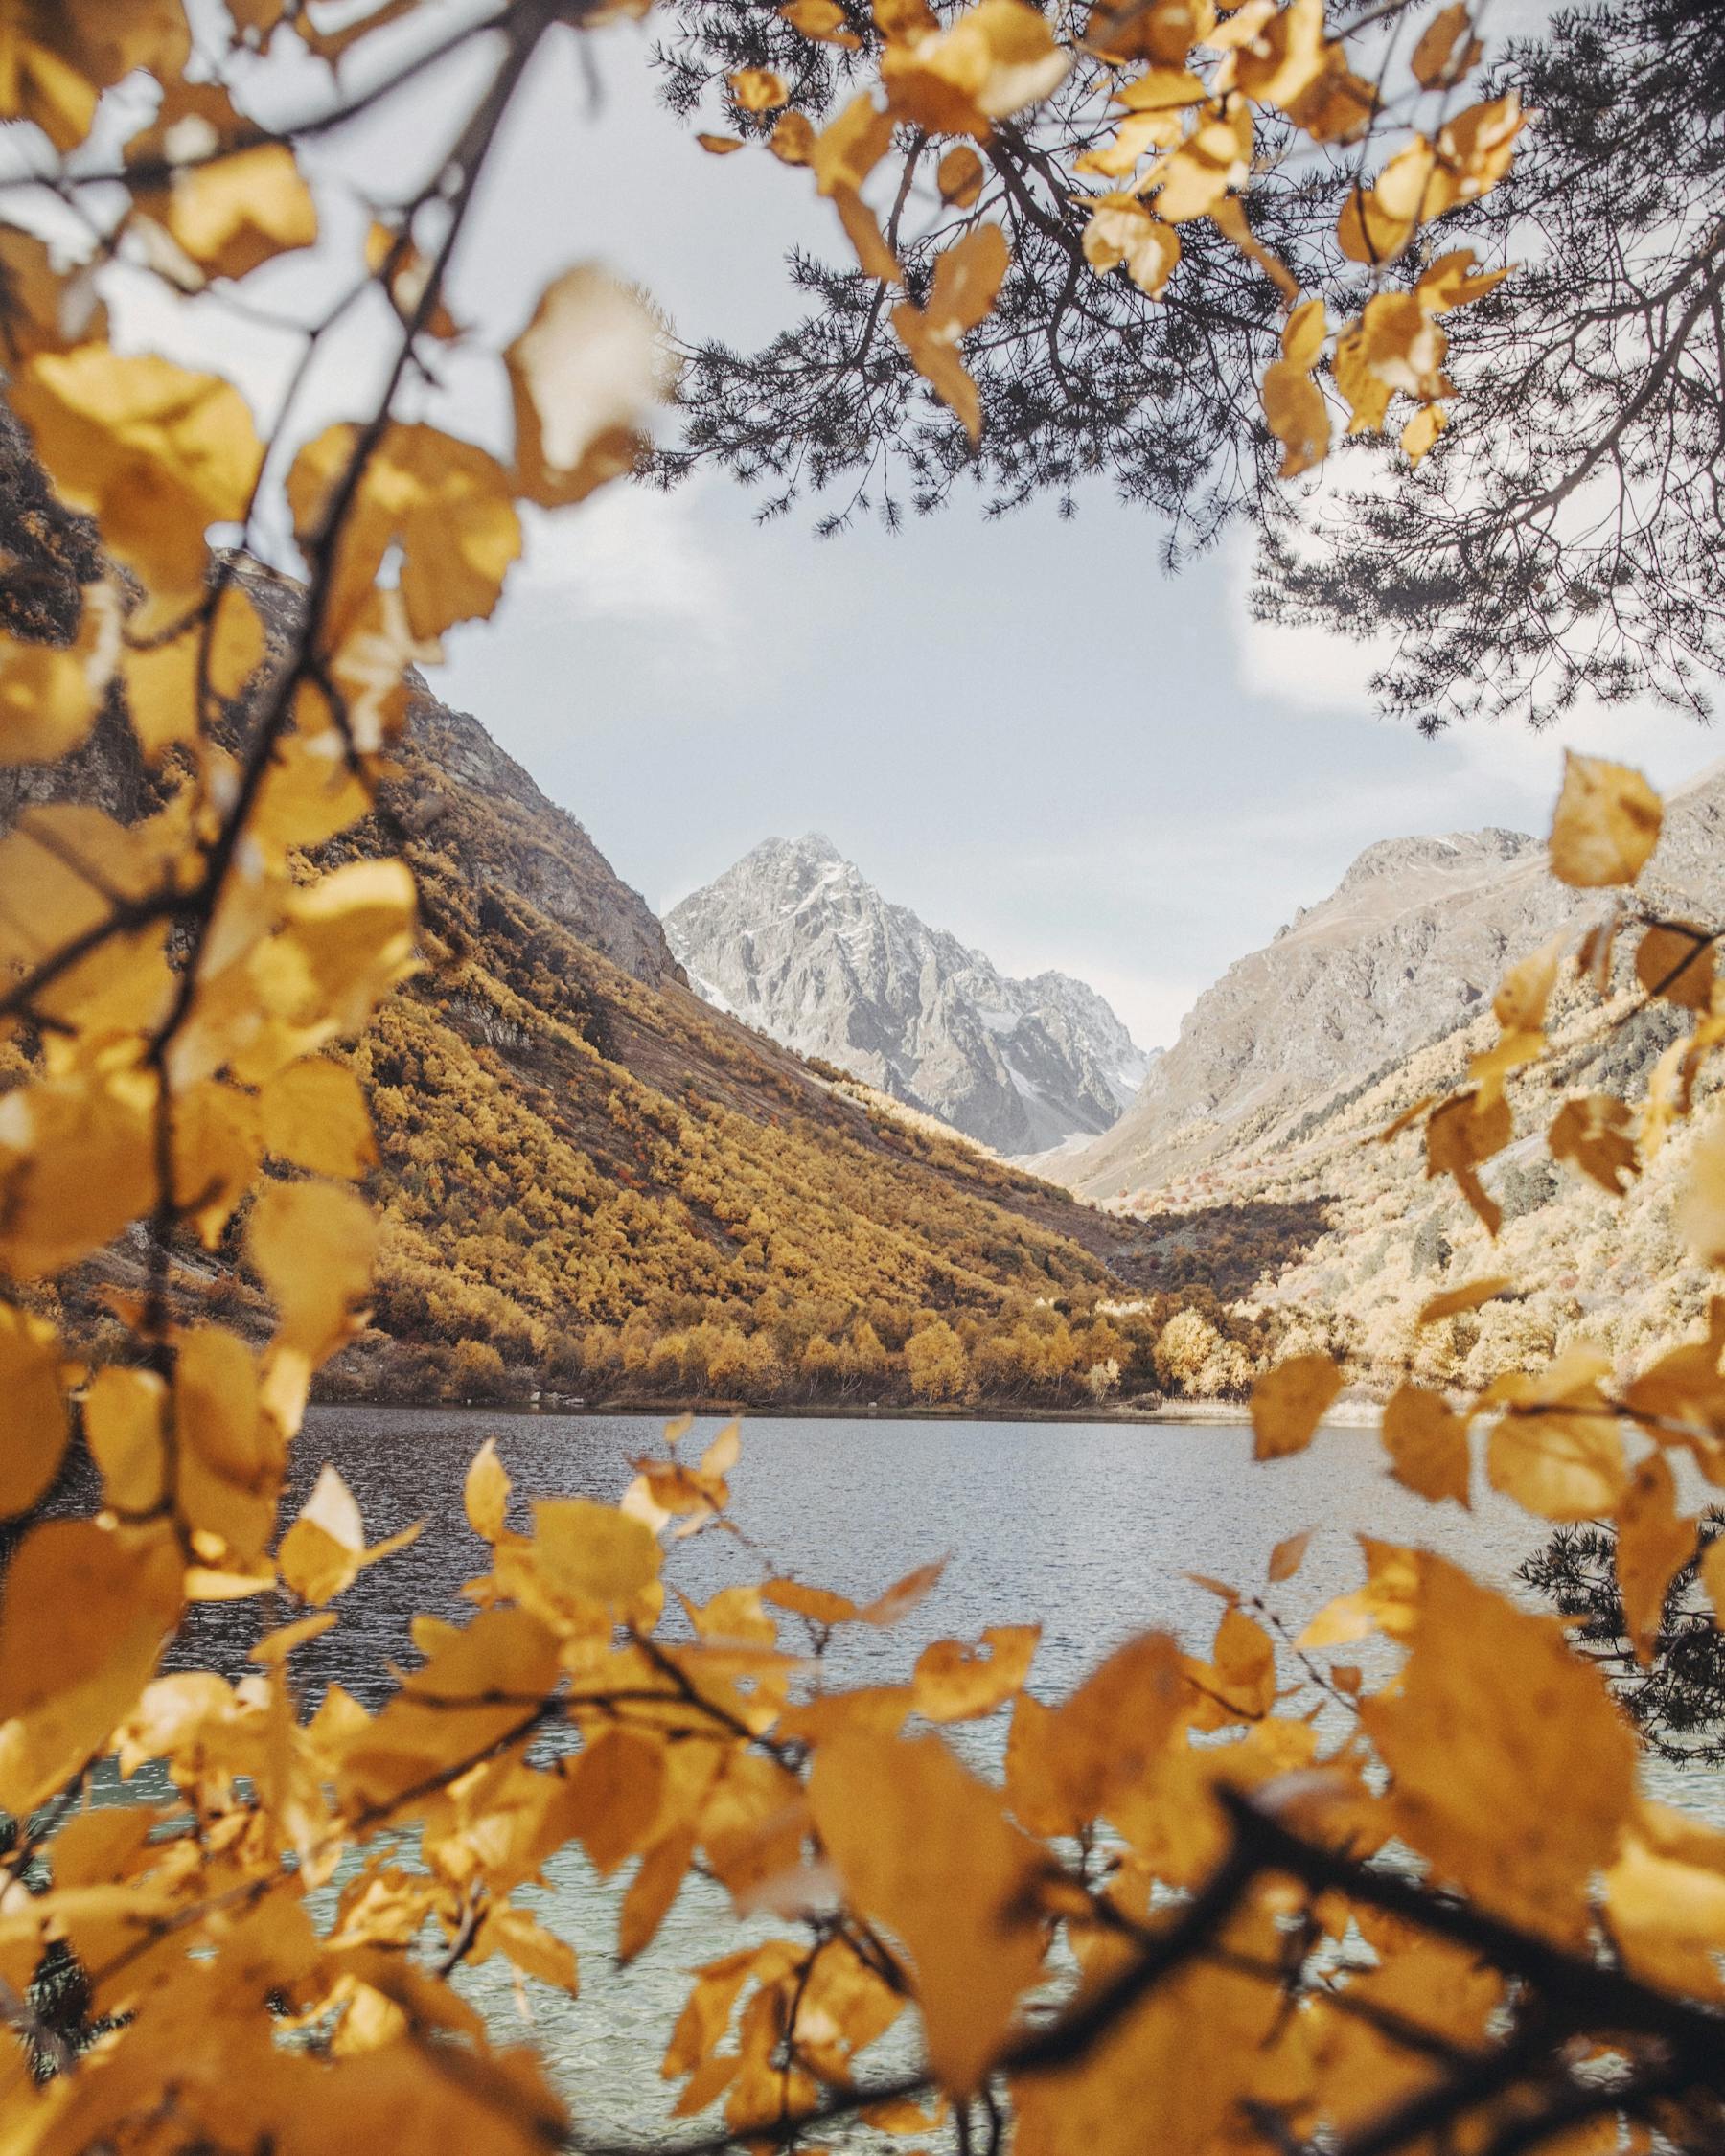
312	1245
793	139
926	1849
1122	230
959	176
1297	415
1654	1542
33	1420
77	1165
1288	1555
1421	432
1593	1134
484	1494
162	672
313	1114
758	90
952	1682
1606	824
1447	49
851	144
1427	1443
1698	1214
1557	1449
718	146
589	1550
444	502
1512	1768
84	1610
1469	1296
1675	962
993	60
157	453
534	1950
586	375
1288	1403
820	19
49	698
124	1421
1461	1132
239	211
967	276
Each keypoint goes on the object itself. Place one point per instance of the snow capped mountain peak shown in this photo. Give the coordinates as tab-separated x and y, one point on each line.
795	940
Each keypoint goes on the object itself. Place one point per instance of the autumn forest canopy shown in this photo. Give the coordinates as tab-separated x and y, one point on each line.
330	1059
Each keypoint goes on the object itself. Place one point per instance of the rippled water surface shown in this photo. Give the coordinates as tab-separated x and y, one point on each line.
1089	1529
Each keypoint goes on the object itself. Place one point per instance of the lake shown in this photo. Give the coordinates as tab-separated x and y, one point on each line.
1088	1528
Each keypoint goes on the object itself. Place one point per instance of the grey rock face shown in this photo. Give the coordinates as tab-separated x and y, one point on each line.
795	940
1409	946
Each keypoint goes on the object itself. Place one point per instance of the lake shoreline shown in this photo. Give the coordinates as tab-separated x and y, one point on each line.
1221	1414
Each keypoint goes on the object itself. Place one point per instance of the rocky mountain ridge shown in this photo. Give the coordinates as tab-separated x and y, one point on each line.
795	940
1407	949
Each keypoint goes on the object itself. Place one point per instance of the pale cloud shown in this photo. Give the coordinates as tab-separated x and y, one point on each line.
633	554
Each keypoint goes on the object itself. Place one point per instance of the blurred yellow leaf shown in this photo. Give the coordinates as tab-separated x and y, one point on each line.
1427	1444
1675	962
1606	823
313	1114
1698	1214
313	1246
1557	1450
526	1942
820	19
718	146
588	1550
585	374
276	1646
993	59
124	1420
926	1849
49	698
444	502
793	139
758	90
162	675
959	176
1654	1542
242	210
849	147
1447	49
1593	1132
77	1165
967	276
1511	1767
1469	1296
1297	415
1122	230
156	454
901	1598
216	1154
1460	1133
952	1682
84	1613
1288	1555
484	1494
874	257
33	1420
1288	1403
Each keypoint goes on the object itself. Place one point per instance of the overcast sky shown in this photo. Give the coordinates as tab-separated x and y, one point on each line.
1022	730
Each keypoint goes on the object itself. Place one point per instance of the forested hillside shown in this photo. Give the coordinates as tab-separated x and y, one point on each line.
594	1186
